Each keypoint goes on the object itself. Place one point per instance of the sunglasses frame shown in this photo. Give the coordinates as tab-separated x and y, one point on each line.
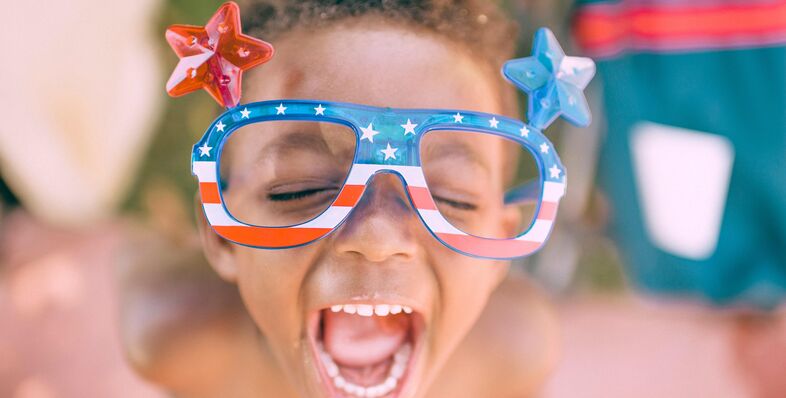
377	128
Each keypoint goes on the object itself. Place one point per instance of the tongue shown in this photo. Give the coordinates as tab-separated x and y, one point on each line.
357	341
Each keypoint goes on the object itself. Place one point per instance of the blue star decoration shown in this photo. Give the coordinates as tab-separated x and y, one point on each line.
554	82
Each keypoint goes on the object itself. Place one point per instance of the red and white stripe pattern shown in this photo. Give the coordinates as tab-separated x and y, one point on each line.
268	237
523	245
280	237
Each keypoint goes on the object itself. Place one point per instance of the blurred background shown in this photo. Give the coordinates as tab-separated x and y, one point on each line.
668	268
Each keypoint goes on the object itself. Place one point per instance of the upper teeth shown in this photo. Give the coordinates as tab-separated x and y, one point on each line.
369	309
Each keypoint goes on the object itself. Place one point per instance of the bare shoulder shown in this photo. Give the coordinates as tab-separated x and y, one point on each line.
174	313
512	349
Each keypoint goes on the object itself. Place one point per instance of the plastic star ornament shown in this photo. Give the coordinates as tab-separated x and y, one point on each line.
553	82
214	57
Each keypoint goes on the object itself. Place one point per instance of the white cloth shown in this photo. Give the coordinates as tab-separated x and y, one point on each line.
80	88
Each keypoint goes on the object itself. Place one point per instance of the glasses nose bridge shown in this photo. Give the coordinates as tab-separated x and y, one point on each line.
411	179
382	171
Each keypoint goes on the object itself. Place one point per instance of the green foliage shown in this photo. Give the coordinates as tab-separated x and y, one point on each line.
182	121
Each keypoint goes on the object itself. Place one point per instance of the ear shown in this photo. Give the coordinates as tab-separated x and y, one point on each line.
219	252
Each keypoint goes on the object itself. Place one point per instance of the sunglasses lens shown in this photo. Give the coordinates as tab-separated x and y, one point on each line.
283	173
482	184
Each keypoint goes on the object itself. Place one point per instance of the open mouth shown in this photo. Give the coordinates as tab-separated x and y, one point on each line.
365	350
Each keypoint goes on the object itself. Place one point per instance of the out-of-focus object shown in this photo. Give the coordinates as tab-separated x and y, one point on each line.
79	97
214	57
58	307
622	347
695	155
759	345
704	169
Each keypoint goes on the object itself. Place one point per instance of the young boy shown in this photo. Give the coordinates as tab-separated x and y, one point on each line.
381	298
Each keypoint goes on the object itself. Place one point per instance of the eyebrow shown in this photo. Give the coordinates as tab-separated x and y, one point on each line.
453	150
295	141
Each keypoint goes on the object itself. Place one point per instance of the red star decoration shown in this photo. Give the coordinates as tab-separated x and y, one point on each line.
214	57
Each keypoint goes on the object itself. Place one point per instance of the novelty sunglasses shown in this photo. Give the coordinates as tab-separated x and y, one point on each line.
375	141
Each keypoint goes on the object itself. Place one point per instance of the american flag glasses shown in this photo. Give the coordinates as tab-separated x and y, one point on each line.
281	174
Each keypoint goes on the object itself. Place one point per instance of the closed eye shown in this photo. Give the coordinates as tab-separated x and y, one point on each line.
295	195
456	204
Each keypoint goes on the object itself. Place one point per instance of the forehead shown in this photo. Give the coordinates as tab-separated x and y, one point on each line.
378	66
384	66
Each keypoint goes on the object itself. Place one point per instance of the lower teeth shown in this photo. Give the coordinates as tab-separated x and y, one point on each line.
400	359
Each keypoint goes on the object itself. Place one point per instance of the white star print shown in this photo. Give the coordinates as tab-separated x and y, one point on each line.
220	126
244	113
281	110
458	118
204	150
409	128
389	152
524	132
368	133
555	171
320	110
544	148
494	122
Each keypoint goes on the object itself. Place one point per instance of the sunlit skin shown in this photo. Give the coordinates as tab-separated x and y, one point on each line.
382	253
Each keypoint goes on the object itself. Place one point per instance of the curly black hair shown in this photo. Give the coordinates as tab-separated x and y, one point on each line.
480	26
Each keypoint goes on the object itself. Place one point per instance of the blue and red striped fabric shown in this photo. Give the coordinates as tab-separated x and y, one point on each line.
608	28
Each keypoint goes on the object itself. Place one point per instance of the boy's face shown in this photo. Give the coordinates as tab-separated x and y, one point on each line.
382	254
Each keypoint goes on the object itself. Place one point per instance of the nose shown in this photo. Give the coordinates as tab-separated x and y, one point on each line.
382	224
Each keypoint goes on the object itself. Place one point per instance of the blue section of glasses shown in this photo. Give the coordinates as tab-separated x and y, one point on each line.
386	136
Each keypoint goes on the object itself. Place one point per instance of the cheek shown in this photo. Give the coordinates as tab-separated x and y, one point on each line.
492	220
465	285
269	282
